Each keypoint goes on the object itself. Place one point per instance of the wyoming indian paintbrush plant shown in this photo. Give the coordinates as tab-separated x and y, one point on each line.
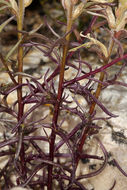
50	159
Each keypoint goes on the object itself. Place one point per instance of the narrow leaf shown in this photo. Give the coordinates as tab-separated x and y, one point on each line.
13	49
5	23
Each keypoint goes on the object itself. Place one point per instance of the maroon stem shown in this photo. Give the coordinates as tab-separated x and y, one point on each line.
59	96
55	116
95	71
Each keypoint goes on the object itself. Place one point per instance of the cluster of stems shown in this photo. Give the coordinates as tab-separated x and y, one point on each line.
39	169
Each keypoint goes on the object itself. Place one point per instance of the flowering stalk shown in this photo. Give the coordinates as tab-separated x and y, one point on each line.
92	107
60	91
101	78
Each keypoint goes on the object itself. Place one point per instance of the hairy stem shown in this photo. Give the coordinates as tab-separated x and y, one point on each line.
59	96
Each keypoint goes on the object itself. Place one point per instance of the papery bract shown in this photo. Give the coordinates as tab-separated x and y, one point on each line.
14	6
27	2
110	17
78	11
66	3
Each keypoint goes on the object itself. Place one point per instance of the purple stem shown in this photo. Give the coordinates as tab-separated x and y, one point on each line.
24	117
101	69
120	169
113	185
92	23
25	138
